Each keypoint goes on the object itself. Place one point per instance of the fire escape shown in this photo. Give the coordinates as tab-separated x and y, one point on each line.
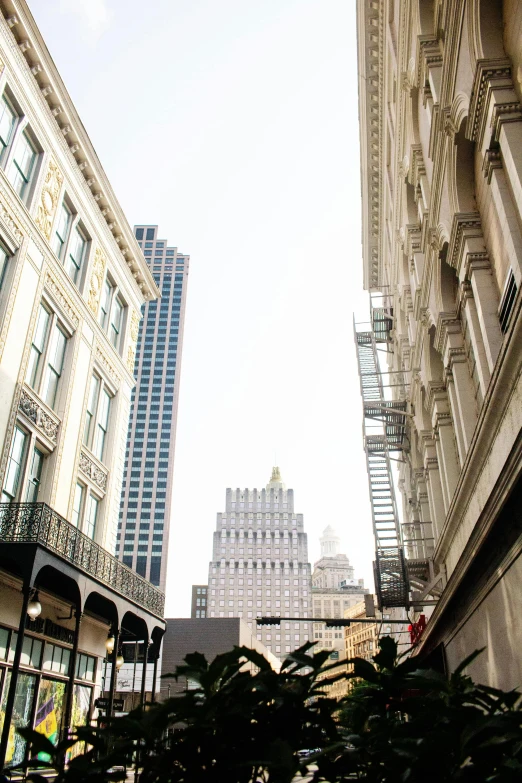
385	432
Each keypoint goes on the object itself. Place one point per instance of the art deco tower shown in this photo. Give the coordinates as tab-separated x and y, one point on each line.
143	531
260	564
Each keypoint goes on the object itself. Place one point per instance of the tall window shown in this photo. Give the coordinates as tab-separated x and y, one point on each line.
8	118
14	465
62	229
22	164
111	312
47	356
97	417
38	345
69	241
54	365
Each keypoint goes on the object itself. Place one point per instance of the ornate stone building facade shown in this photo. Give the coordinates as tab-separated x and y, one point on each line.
72	283
441	161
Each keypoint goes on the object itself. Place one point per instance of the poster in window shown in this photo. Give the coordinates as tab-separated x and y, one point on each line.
23	704
80	714
49	711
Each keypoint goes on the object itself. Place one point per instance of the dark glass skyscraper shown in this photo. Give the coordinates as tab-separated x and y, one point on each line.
145	510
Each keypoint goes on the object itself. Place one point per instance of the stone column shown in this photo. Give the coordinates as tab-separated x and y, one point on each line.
460	387
483	365
486	300
435	499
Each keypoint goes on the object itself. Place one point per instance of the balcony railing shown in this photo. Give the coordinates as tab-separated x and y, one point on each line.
37	523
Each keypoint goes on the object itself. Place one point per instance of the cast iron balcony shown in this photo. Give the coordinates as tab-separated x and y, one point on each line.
37	523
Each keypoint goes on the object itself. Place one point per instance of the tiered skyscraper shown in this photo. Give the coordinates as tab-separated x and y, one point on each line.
260	564
145	509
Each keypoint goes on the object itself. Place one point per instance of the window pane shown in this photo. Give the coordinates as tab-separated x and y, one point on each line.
116	319
4	636
75	255
62	229
77	505
22	164
92	514
49	711
24	697
38	345
91	408
55	366
105	304
103	421
48	656
14	465
4	258
7	122
35	474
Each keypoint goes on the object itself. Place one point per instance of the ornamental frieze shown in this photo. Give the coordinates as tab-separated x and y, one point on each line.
49	199
61	297
35	412
93	471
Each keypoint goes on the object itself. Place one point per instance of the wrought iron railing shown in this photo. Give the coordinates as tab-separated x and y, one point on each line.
37	523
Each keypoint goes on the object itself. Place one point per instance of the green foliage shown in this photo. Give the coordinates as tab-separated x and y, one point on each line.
400	724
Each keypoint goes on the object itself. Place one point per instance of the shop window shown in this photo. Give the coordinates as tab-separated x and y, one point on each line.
49	711
23	707
31	651
56	659
4	643
86	667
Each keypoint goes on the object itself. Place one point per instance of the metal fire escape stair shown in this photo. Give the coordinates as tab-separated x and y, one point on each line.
391	577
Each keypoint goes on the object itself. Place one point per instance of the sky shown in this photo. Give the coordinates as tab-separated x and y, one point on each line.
233	125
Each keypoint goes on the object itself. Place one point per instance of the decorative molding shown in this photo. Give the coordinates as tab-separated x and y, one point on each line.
98	271
62	298
49	199
93	471
492	160
8	219
465	226
135	325
131	359
34	411
488	75
109	368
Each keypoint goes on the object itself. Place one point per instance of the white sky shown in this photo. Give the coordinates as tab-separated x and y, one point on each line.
233	125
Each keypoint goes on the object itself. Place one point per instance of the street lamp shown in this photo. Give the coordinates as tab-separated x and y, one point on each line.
119	662
34	607
109	644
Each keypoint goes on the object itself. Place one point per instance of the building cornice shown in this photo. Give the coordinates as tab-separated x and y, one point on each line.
370	44
72	137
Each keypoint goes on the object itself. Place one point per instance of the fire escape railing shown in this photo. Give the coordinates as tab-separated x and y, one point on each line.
384	430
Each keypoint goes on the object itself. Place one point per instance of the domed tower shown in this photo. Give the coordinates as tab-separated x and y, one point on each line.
330	542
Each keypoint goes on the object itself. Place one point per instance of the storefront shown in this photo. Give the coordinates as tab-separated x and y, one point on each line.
42	684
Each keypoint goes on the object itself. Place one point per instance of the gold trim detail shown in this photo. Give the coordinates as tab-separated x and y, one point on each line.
98	272
49	199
